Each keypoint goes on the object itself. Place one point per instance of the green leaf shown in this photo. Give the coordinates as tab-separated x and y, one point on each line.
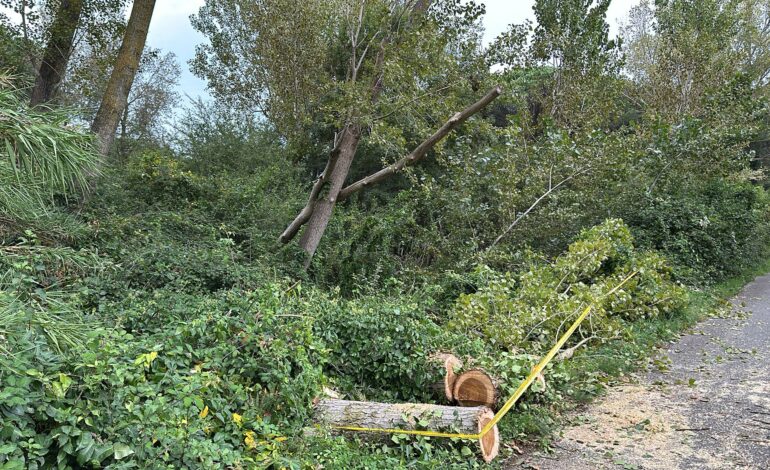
121	451
7	448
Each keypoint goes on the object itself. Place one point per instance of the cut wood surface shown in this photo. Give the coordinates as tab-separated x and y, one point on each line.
449	362
475	388
410	416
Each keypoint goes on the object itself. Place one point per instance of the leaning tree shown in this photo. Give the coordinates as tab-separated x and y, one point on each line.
386	73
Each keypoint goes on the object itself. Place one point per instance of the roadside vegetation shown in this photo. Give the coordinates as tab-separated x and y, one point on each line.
150	316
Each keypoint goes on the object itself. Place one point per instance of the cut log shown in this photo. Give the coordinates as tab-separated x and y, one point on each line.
364	414
475	388
449	362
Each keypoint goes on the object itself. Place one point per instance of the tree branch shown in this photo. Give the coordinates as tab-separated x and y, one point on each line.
419	153
534	204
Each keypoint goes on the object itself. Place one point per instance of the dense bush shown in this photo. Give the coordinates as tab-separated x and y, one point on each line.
380	347
708	232
536	304
220	381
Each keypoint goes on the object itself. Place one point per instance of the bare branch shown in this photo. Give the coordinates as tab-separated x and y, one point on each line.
419	153
550	190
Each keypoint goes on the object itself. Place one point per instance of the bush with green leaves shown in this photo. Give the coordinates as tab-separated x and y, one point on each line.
221	381
537	304
708	231
158	175
380	347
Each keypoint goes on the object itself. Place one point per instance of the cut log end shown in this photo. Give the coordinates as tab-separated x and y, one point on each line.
489	442
450	362
475	388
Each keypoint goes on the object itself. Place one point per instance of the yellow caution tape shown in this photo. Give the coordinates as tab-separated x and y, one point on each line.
516	394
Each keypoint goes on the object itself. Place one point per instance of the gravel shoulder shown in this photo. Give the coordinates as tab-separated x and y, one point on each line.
710	408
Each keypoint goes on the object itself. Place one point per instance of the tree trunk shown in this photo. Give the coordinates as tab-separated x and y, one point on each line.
406	416
57	51
115	96
324	204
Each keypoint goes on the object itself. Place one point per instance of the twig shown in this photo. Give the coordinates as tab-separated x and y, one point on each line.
569	352
534	204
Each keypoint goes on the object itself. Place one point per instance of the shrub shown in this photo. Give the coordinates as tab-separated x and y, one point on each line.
536	306
154	174
380	347
224	383
709	231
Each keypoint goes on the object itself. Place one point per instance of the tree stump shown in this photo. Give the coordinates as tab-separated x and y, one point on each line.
475	388
364	414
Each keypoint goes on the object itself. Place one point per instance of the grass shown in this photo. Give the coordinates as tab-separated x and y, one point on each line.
733	285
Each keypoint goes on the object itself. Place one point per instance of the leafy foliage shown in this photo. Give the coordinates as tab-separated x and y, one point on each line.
538	302
41	158
158	323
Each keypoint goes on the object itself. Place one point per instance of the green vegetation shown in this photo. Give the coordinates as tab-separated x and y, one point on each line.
150	316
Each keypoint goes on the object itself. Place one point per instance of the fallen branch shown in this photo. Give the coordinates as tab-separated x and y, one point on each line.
569	352
518	219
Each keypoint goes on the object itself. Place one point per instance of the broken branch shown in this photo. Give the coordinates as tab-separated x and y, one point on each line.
421	150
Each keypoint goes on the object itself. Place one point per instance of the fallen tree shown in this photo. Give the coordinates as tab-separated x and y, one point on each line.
410	416
318	210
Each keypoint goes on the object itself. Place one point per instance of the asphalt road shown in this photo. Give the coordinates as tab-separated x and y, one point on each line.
708	409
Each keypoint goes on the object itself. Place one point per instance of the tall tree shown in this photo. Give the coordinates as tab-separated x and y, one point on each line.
349	71
753	41
61	39
118	88
53	35
683	54
572	38
151	101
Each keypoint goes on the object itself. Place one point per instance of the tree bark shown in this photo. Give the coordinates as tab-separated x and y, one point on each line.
57	51
324	205
115	96
407	416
